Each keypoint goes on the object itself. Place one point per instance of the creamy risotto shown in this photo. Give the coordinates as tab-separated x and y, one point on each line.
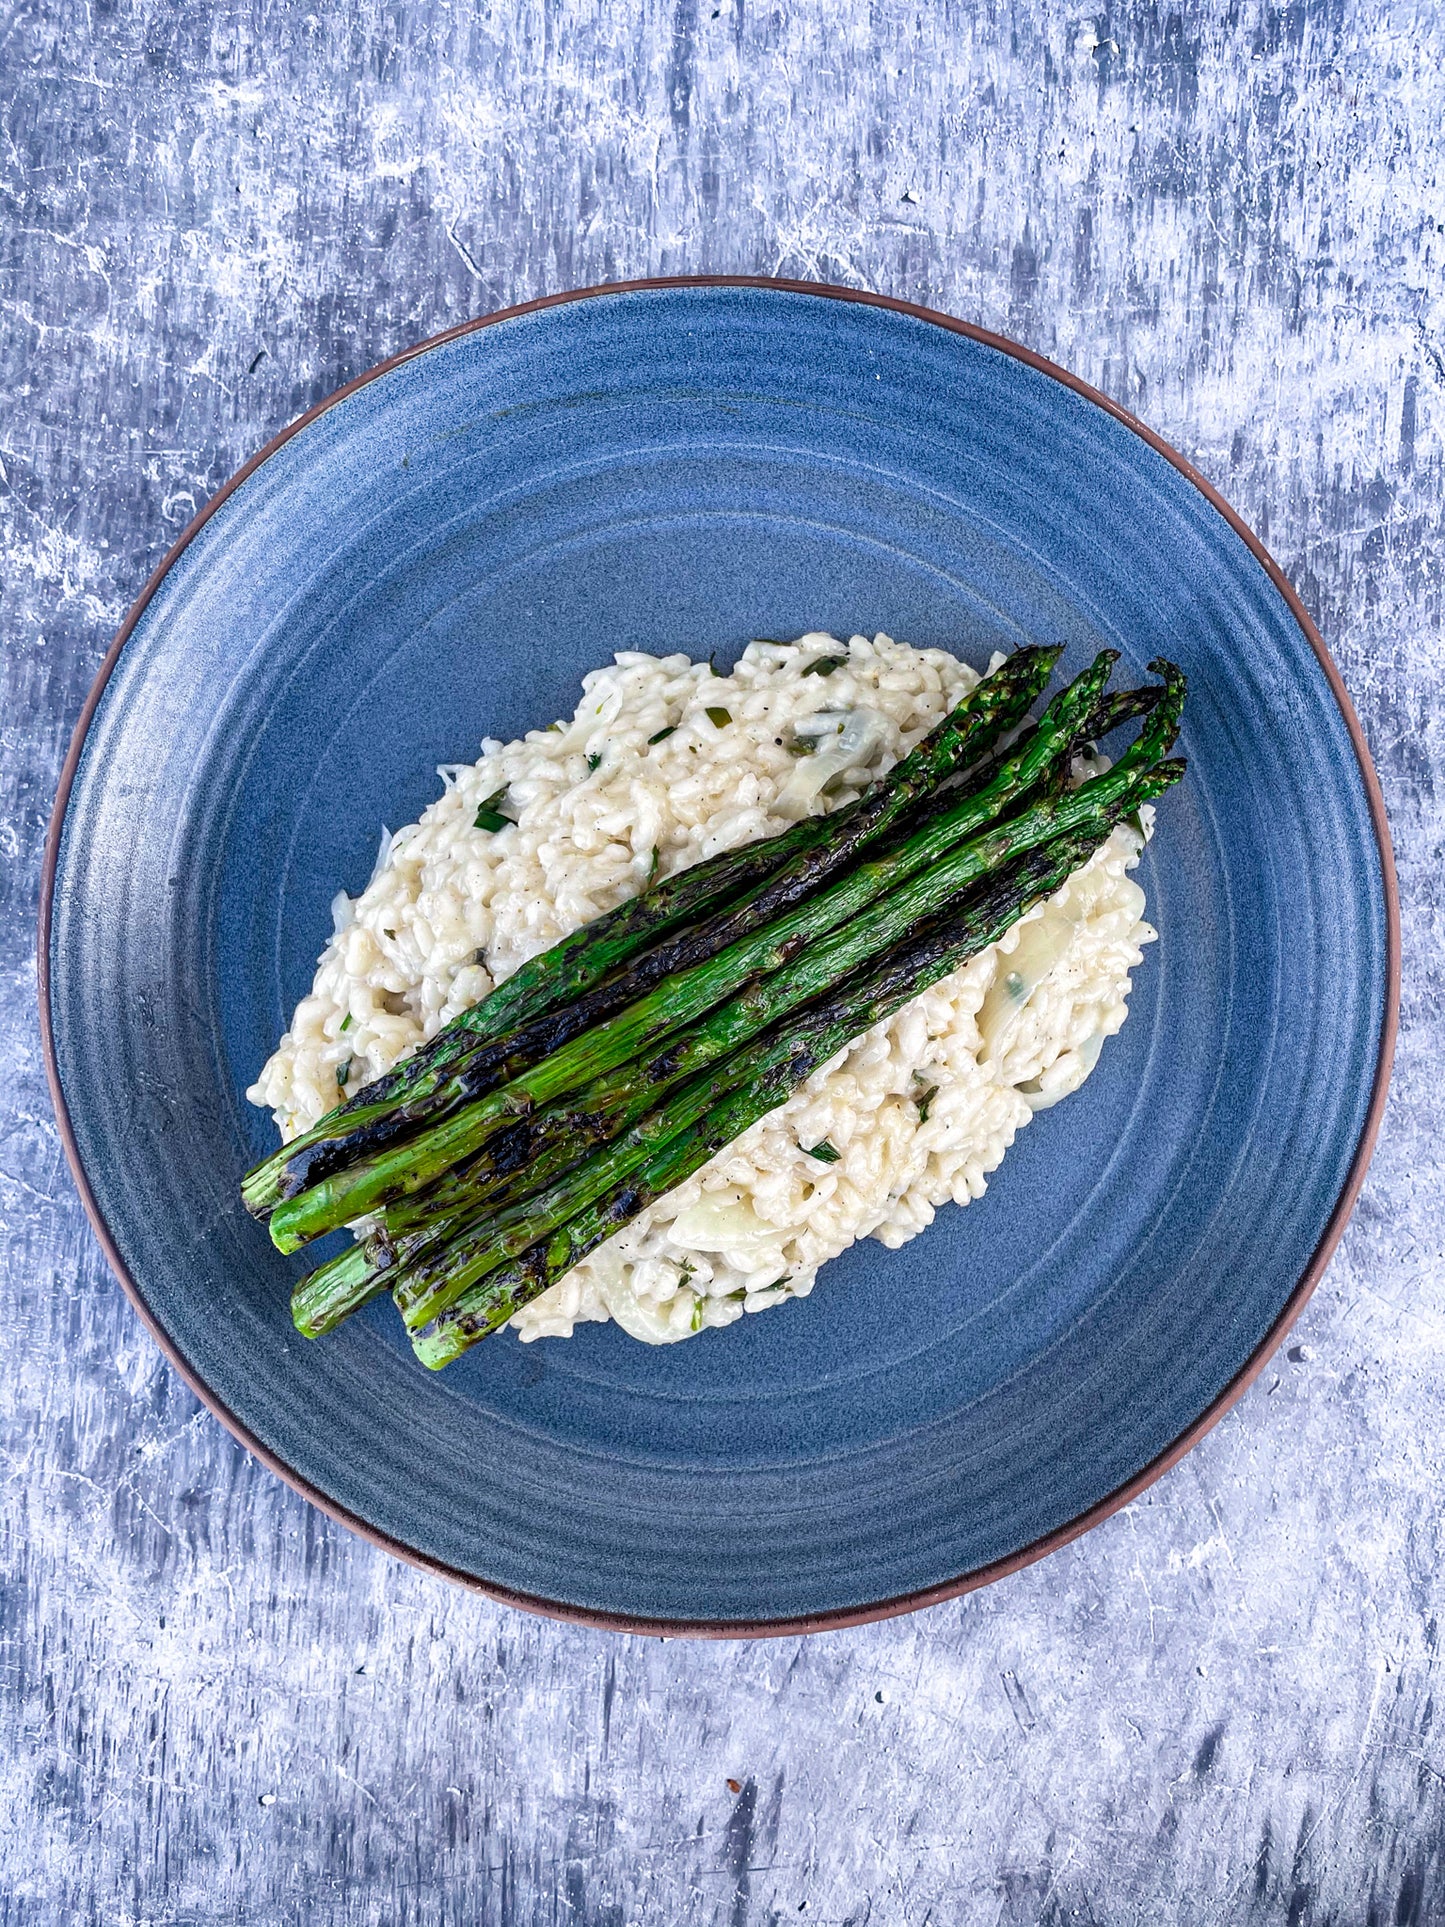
665	763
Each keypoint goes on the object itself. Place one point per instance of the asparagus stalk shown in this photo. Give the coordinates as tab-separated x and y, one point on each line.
1122	706
935	864
558	1138
527	1155
431	1271
414	1166
555	981
471	1297
461	1255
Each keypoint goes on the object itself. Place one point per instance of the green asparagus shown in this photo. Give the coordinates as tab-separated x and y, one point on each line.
943	852
469	1296
549	1143
553	984
529	1153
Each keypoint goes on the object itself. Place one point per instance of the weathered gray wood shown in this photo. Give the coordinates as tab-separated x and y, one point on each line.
217	1707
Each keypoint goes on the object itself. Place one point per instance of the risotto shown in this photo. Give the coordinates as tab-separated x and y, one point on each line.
663	764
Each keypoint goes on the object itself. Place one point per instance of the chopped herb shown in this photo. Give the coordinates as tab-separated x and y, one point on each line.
663	734
712	664
389	933
652	867
719	717
802	746
697	1314
1136	824
489	815
825	1153
925	1102
825	665
778	1283
343	1071
594	760
685	1270
346	1021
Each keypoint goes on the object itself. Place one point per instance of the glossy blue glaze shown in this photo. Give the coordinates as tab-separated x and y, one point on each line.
440	556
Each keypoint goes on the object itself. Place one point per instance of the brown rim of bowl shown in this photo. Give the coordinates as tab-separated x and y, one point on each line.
1049	1541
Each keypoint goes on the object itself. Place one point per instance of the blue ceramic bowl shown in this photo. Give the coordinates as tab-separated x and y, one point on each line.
438	554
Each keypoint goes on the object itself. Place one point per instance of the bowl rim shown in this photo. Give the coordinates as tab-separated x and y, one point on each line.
1036	1549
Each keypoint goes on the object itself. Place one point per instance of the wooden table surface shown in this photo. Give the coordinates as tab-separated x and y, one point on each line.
1221	1706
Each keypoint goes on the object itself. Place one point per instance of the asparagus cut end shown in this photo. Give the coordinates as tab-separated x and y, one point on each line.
328	1296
